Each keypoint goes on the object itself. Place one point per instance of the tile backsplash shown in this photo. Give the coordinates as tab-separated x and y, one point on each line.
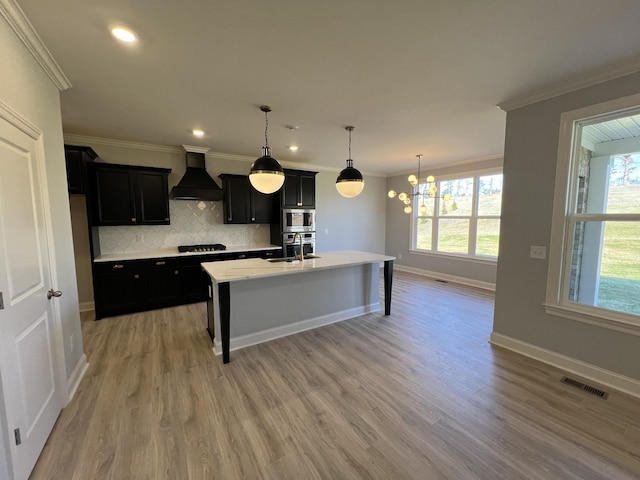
192	222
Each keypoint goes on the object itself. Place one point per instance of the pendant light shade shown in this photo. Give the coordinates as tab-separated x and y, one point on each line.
350	182
266	174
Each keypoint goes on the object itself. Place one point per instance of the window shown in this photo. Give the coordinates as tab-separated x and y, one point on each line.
594	270
463	218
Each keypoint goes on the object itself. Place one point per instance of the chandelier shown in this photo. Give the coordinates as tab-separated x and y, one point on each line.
430	189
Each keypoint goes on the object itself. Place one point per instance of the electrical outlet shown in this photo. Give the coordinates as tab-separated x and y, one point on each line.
538	252
399	256
326	231
72	343
140	238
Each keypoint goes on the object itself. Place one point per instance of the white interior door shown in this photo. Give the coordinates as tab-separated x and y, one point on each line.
27	347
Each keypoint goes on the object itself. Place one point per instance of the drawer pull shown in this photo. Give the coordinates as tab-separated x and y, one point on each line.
242	256
136	276
161	263
177	272
133	219
118	266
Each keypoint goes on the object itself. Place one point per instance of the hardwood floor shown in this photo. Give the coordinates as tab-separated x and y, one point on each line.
417	395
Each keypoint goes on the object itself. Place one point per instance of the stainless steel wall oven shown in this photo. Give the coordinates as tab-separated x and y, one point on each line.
298	220
291	248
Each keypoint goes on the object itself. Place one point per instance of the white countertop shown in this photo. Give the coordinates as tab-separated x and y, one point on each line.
173	252
236	270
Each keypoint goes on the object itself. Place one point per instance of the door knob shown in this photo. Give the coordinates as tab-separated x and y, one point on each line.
53	293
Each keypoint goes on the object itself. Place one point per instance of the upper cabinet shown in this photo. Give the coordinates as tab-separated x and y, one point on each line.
243	203
299	189
76	159
128	195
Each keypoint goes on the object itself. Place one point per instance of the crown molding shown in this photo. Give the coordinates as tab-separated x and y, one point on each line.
598	76
439	166
22	27
109	142
195	149
85	140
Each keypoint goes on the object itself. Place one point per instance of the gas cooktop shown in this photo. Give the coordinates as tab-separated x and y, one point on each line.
201	248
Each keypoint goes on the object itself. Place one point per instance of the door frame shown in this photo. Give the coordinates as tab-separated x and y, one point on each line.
32	131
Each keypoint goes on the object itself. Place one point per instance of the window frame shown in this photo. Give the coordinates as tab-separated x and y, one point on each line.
473	219
564	218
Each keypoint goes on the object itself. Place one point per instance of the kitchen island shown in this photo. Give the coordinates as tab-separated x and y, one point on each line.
256	300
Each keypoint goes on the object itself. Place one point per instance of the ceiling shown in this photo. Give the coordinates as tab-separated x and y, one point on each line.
412	76
612	130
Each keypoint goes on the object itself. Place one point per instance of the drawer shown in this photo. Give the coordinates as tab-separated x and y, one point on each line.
155	263
103	268
193	260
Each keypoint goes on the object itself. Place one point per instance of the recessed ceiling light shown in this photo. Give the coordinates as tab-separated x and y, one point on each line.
293	148
124	34
197	132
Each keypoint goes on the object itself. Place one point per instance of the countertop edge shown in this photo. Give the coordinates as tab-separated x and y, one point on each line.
173	252
261	269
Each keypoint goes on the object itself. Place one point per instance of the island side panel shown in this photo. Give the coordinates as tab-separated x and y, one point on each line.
266	308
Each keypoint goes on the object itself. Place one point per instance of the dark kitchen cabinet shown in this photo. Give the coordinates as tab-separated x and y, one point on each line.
128	195
161	282
243	203
299	189
193	280
76	159
117	287
139	285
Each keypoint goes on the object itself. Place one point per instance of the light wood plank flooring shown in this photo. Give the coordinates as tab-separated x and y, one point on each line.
417	395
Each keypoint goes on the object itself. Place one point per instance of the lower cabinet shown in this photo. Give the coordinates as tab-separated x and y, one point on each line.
117	287
138	285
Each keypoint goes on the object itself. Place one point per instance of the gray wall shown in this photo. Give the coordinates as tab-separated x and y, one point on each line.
28	90
398	233
350	223
529	177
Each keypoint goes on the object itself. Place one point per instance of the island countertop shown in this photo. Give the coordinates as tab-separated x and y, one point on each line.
253	268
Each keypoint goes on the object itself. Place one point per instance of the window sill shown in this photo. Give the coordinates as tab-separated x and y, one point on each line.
453	256
594	316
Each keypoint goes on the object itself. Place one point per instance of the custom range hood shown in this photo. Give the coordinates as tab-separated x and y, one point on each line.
196	184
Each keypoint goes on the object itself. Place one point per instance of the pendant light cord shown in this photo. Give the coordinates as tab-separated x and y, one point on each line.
266	128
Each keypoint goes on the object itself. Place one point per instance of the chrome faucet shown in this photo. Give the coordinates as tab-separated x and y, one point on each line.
298	234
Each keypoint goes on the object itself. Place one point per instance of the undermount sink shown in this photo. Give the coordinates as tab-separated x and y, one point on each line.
290	259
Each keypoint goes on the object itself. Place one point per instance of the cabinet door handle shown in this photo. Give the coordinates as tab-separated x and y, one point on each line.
161	263
253	219
133	219
118	266
166	219
299	204
242	256
136	276
177	272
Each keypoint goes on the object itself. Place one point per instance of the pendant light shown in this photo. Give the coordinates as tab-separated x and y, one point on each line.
350	182
266	174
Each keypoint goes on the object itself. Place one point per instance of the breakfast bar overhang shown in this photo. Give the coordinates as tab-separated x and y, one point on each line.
255	300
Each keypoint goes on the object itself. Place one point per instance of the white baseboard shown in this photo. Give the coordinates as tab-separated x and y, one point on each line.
587	371
449	278
76	377
243	341
87	307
